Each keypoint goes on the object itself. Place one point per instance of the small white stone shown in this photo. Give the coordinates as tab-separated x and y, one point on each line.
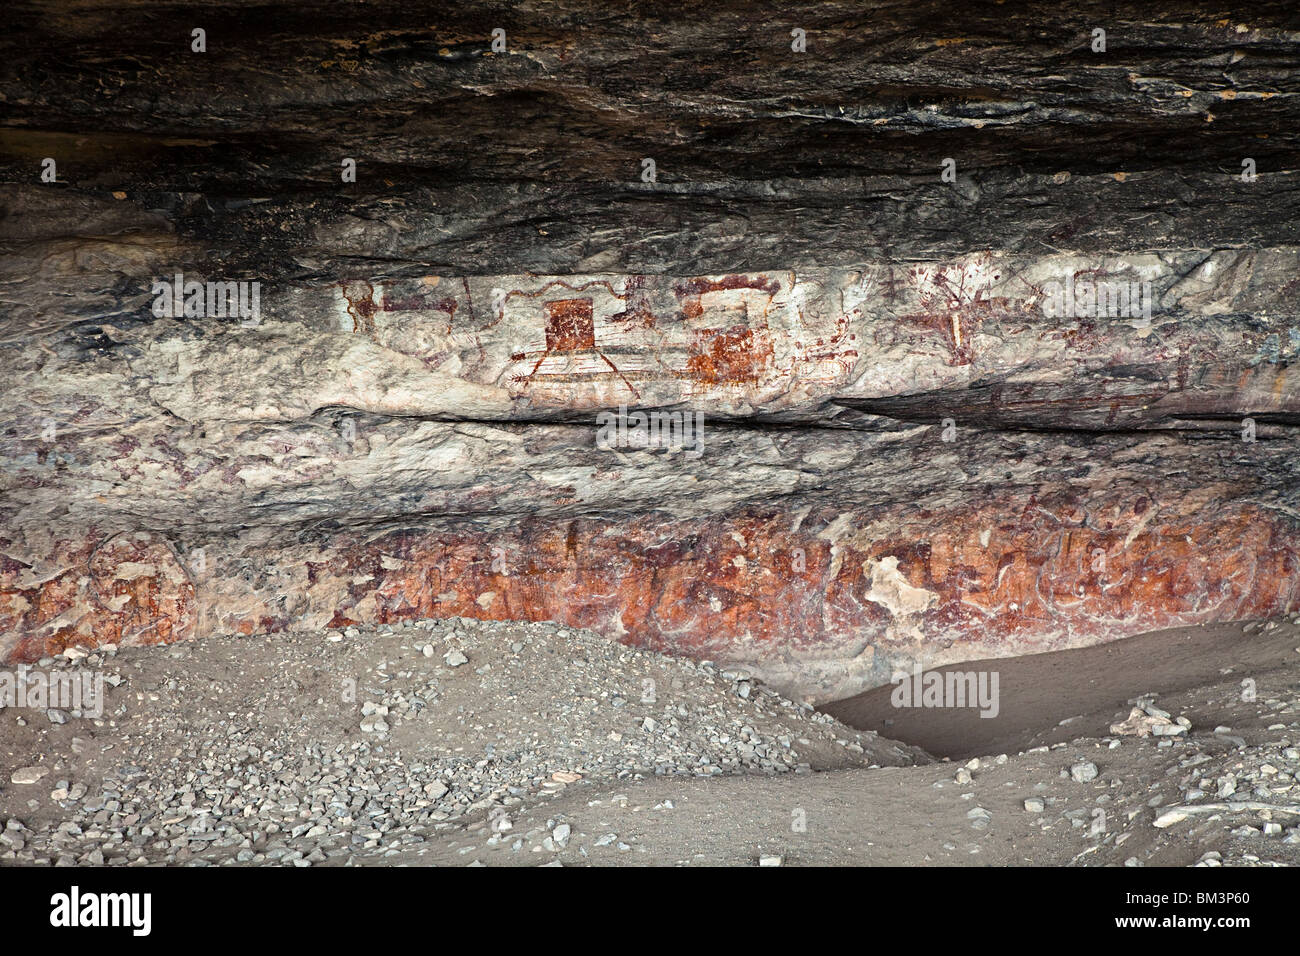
1169	818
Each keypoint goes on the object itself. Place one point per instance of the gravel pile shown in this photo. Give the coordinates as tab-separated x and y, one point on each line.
339	748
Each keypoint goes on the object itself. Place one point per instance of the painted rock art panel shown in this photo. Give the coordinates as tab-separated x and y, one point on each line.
824	602
389	431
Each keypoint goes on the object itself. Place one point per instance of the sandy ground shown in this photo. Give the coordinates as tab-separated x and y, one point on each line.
462	743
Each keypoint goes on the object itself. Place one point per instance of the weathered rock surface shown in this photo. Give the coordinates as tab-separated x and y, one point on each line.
907	454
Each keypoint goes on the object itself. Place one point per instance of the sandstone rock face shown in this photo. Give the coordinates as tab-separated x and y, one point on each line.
1050	403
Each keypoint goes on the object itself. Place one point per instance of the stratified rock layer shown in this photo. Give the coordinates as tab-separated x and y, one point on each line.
909	454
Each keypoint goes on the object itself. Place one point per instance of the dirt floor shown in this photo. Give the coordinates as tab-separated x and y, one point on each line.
478	743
